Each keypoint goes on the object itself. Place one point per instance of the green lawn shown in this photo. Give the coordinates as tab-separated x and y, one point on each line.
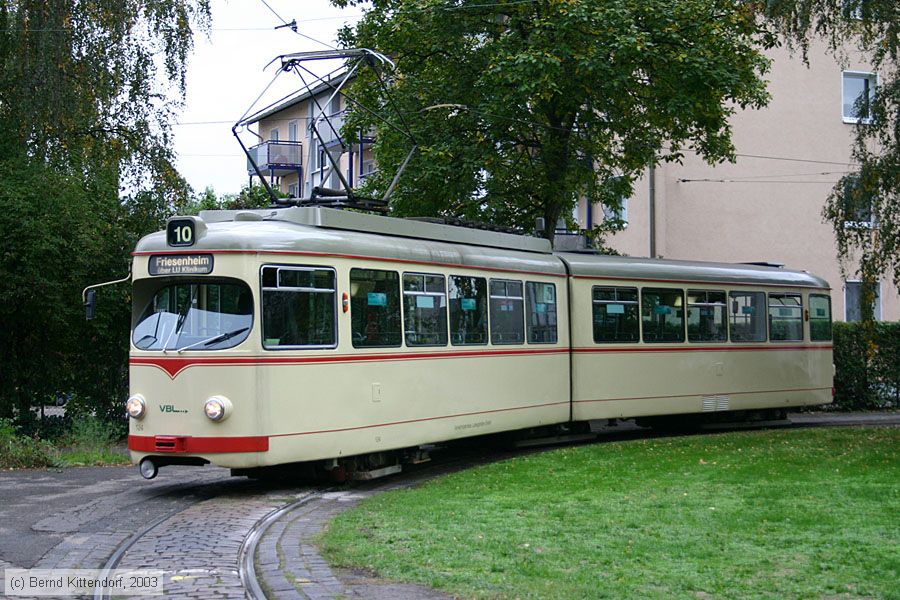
772	514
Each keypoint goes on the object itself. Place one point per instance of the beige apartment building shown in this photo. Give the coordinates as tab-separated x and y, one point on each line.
297	137
766	207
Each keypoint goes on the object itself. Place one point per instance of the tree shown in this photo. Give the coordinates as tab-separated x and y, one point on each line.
87	90
873	190
519	108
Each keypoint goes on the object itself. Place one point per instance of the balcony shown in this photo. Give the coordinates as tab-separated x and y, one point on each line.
276	158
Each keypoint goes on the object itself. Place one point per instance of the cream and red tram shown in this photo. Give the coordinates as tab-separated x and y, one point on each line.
344	339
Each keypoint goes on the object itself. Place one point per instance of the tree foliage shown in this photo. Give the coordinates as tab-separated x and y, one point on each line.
519	108
81	81
871	27
87	90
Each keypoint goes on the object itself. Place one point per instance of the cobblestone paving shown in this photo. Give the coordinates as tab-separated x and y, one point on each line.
198	549
290	567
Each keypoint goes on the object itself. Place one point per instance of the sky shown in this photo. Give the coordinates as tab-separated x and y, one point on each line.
225	77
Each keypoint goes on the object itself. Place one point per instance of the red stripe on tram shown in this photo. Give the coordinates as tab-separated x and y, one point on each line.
172	444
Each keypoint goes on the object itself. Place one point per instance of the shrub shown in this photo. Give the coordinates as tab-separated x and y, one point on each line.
20	451
867	363
91	433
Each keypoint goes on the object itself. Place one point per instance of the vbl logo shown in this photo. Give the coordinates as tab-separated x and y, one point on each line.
169	408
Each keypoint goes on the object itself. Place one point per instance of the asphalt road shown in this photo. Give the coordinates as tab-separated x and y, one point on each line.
39	509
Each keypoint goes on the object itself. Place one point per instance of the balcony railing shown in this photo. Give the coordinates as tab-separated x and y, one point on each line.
276	157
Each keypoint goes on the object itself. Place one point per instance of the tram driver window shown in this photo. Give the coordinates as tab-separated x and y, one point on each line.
662	312
507	314
541	312
375	308
819	318
615	314
468	310
785	317
706	316
747	310
298	307
425	309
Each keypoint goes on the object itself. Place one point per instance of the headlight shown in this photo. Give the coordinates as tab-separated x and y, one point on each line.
135	406
217	408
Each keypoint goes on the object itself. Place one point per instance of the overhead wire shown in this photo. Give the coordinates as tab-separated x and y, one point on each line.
293	27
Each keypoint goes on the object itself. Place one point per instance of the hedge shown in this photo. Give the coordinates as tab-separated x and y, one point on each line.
867	363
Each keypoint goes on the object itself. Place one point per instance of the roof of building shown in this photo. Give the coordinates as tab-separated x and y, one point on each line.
301	96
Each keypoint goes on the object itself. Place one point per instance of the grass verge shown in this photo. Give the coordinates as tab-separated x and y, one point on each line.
799	514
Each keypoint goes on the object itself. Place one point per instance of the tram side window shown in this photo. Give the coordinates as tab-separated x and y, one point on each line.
819	318
785	317
298	307
706	316
541	312
662	312
748	323
615	314
425	309
468	310
375	308
507	314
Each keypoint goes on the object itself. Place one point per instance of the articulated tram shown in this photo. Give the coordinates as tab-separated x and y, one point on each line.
347	340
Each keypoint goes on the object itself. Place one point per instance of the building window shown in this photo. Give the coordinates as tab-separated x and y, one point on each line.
621	214
858	94
852	9
293	190
853	301
613	187
293	131
273	135
857	204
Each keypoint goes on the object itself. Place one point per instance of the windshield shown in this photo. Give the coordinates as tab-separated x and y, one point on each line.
195	316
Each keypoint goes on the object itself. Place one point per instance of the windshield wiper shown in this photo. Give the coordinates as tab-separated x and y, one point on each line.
215	339
181	317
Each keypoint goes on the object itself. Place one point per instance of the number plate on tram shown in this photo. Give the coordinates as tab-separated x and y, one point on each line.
181	264
181	232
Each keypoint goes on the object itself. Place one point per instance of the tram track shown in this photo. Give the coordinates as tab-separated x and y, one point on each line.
247	557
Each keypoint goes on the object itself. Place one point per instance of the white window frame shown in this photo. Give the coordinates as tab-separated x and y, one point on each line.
294	130
273	135
872	77
876	310
623	213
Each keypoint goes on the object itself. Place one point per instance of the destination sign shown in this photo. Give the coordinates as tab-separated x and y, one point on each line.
181	264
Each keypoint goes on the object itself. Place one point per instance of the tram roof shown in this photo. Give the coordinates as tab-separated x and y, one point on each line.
683	271
339	233
331	232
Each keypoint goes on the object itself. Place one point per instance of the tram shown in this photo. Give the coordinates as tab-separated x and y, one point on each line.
347	341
